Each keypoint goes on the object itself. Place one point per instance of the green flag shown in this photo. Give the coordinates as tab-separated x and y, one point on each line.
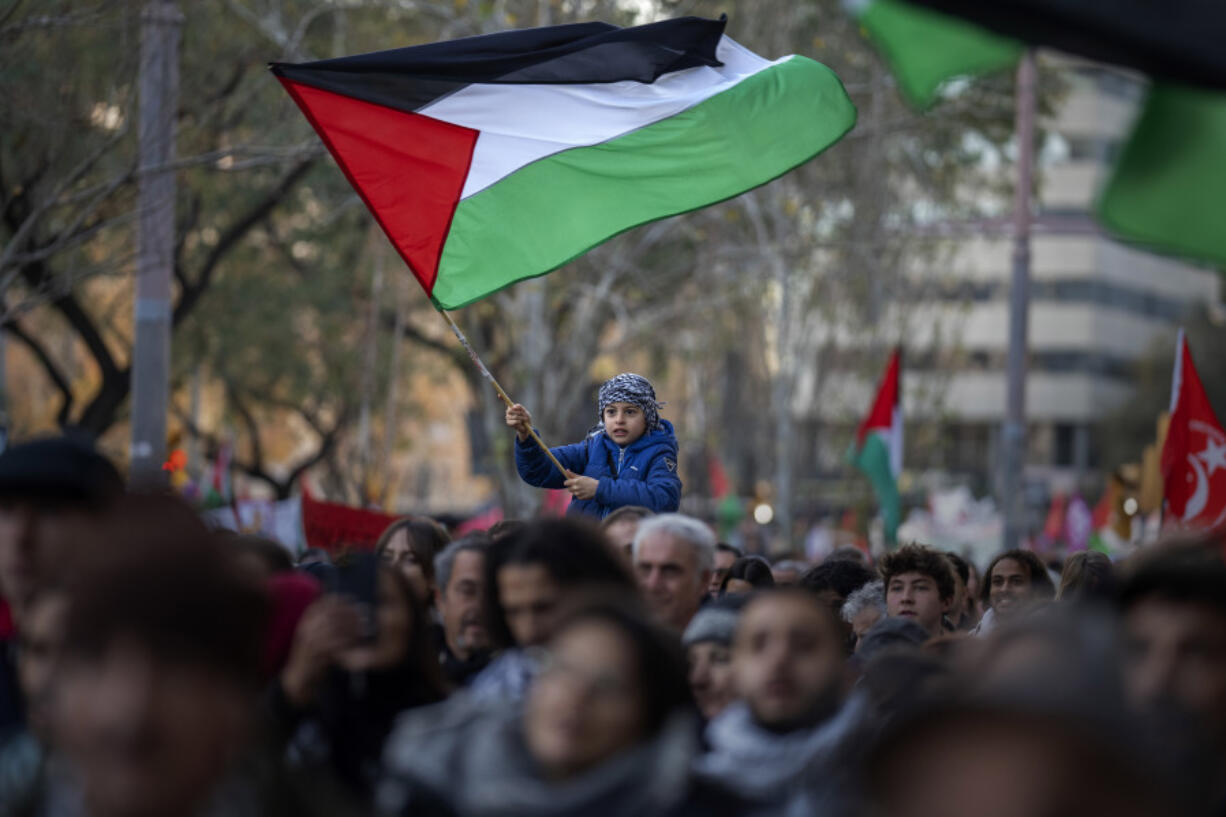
1169	185
925	48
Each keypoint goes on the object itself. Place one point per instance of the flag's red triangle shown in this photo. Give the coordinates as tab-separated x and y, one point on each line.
882	413
407	167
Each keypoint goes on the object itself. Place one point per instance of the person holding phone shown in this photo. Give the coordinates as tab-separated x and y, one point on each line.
361	655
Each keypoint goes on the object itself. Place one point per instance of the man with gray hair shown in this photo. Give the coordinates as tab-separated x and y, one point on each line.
863	609
459	594
673	558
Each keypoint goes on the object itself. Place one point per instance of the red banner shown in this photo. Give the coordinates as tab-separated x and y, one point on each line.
335	527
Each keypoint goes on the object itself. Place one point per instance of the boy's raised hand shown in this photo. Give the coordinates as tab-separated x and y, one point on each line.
580	487
519	419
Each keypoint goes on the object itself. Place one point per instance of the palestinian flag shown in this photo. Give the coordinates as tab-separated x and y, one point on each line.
1166	191
877	450
925	48
492	159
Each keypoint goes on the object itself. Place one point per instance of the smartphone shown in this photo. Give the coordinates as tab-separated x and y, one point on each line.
357	579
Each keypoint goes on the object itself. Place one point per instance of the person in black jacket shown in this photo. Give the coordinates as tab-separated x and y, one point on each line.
339	694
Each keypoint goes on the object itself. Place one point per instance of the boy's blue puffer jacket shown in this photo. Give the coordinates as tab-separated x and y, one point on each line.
644	473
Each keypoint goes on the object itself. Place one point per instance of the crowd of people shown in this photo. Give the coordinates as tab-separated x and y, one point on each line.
153	667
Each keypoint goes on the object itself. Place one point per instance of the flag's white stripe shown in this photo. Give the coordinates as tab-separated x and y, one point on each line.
520	124
1177	373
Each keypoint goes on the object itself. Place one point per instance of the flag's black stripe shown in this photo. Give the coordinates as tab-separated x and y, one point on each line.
1179	40
410	78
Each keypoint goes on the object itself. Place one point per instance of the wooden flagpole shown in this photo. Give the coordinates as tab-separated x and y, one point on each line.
472	354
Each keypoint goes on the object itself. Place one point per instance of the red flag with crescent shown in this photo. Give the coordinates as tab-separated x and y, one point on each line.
1194	455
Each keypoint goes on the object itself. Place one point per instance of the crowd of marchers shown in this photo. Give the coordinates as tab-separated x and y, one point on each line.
152	667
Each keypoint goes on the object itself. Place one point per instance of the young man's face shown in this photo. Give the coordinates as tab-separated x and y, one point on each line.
787	661
530	598
624	422
915	596
1009	589
672	580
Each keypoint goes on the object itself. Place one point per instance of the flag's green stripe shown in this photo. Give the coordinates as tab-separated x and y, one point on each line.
555	209
924	48
1168	189
873	459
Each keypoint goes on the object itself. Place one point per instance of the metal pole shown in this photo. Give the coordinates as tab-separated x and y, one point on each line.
1013	433
159	90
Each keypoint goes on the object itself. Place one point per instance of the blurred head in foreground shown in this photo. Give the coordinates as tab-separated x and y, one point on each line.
609	679
51	493
788	659
160	664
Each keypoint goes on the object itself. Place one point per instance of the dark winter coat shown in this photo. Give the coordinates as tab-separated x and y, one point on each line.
643	473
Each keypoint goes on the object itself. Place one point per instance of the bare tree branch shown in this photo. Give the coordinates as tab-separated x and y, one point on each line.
54	373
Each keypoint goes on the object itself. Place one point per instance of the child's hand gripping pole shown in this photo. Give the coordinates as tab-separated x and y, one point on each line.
502	394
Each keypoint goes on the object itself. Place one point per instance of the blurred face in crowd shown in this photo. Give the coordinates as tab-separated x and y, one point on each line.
530	599
863	621
723	563
147	736
957	606
711	677
586	705
461	605
399	553
737	587
915	596
1010	590
621	534
1006	767
34	544
787	661
672	581
38	650
973	587
1177	653
785	575
624	422
393	620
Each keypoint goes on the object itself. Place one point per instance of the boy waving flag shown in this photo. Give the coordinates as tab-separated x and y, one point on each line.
492	159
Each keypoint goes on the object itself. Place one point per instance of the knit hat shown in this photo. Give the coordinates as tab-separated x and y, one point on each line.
634	389
715	621
58	470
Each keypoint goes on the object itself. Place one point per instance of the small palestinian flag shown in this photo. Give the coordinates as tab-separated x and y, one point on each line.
877	449
492	159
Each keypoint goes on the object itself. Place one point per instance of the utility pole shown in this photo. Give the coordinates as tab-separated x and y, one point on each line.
1013	433
159	93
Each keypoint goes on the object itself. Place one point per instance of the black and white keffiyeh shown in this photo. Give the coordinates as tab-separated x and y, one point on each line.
634	389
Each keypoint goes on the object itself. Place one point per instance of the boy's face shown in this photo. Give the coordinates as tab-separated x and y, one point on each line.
624	422
915	596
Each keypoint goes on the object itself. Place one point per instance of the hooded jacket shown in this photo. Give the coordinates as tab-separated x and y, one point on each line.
466	758
642	473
